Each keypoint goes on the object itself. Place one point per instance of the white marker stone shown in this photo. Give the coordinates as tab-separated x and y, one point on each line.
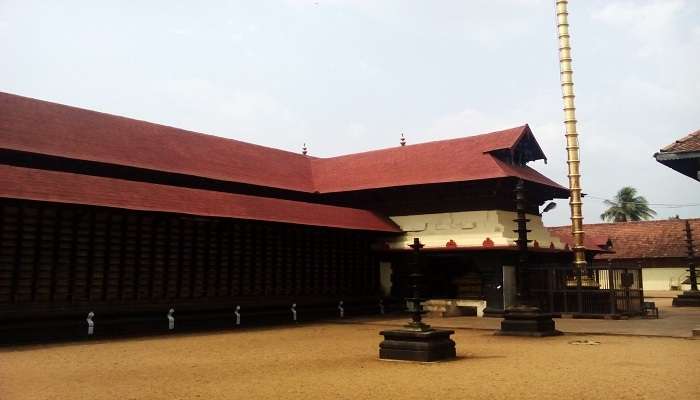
341	310
238	315
294	312
171	319
91	323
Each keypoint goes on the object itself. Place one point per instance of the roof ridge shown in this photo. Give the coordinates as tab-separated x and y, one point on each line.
414	145
209	135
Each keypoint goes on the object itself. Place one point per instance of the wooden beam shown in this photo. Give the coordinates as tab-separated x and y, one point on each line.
38	236
218	258
137	256
167	258
16	264
73	253
56	243
122	254
180	256
91	254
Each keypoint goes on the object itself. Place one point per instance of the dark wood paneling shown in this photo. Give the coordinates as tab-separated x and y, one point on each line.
53	254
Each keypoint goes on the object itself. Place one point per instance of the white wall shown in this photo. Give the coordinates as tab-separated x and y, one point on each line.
661	278
468	228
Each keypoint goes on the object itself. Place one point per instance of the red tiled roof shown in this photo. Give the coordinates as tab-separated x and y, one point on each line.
638	240
591	242
455	160
49	128
42	185
690	143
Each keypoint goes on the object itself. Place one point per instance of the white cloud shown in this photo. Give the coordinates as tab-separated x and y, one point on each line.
651	22
643	18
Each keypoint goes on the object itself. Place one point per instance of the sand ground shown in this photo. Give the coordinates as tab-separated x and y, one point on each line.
339	361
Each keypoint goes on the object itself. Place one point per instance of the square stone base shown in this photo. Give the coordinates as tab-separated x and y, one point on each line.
690	298
527	321
407	345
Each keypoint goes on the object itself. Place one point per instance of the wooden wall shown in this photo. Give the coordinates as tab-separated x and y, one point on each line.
63	255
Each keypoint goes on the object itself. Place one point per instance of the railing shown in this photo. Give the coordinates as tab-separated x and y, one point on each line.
618	290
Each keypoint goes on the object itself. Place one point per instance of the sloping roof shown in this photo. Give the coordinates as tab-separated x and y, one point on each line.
42	185
455	160
593	243
54	129
640	240
690	143
48	128
683	155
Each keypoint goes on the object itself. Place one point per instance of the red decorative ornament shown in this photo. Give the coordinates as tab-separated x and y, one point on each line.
488	243
451	244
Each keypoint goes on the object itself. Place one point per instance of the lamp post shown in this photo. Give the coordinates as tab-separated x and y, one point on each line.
522	241
416	278
417	341
524	318
689	298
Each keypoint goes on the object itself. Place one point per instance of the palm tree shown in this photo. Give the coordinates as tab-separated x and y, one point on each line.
627	206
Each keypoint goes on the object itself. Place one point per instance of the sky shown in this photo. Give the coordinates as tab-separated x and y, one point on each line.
346	76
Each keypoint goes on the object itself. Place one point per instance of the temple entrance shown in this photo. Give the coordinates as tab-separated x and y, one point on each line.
463	282
452	276
454	286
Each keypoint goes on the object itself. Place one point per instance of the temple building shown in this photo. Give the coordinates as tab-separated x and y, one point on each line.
128	219
657	247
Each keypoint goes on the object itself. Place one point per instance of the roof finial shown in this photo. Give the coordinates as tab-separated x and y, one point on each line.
304	150
403	140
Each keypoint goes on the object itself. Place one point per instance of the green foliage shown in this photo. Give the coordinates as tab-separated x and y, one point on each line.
627	206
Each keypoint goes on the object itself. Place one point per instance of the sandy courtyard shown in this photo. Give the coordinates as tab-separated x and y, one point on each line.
339	361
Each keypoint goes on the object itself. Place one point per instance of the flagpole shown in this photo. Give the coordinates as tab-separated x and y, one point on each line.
572	147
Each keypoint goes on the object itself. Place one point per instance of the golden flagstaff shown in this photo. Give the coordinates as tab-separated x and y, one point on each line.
572	148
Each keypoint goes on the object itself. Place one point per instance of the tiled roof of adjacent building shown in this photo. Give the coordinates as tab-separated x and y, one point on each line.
640	240
36	126
690	143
